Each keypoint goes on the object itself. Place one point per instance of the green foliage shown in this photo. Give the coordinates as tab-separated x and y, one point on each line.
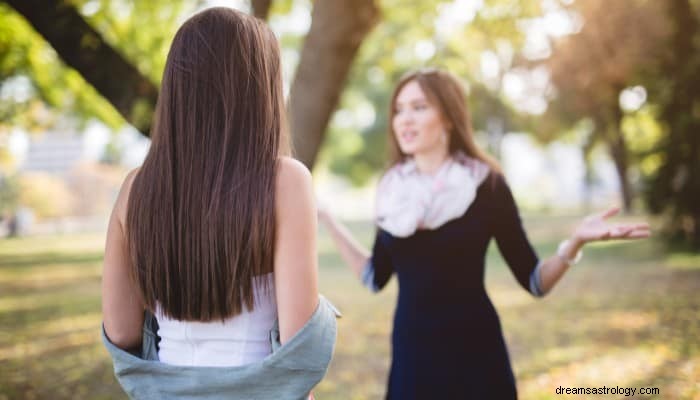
674	187
281	7
141	30
422	33
408	38
644	133
54	87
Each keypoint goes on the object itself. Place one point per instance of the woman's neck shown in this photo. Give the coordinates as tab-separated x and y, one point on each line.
430	163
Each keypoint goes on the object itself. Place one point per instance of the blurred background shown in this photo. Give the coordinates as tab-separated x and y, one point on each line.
586	103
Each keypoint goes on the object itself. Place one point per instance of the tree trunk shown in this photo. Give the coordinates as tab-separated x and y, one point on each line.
588	178
684	119
618	152
12	230
609	122
82	48
261	8
675	189
338	27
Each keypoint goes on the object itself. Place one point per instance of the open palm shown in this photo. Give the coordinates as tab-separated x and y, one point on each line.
596	227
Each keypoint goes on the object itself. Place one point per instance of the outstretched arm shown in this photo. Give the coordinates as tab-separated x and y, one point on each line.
537	275
352	252
592	228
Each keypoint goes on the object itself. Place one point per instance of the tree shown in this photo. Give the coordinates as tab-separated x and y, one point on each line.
84	49
617	45
675	187
656	45
36	86
337	30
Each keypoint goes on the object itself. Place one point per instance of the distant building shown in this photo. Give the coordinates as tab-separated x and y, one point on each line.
54	153
64	169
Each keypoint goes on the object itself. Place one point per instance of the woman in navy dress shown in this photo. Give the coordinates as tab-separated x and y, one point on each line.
438	207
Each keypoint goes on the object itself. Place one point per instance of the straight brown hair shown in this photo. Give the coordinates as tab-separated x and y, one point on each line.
200	220
445	92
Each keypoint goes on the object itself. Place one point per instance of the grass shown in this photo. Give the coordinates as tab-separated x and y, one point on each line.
626	316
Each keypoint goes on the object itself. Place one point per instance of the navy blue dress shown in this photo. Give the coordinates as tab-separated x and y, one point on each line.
447	341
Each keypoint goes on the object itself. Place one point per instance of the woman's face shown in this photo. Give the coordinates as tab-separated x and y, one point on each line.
417	123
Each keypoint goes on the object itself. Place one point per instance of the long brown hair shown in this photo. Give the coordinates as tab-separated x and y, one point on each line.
200	220
445	92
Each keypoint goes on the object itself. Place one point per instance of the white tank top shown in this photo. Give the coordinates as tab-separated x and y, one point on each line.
239	340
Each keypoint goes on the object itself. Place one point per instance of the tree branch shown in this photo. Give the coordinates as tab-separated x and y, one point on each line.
338	27
83	48
261	8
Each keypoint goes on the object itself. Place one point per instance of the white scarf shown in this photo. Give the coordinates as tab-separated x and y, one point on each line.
408	200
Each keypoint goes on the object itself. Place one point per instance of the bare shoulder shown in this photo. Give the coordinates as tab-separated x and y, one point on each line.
130	178
120	206
293	180
294	188
290	173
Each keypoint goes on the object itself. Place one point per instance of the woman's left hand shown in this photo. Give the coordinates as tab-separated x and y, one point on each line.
596	227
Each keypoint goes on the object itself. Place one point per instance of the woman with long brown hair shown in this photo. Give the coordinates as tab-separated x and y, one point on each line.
437	208
215	234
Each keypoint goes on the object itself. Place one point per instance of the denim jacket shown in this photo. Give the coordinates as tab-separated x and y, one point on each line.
289	372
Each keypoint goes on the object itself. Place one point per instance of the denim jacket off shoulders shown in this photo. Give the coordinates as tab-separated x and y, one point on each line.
289	372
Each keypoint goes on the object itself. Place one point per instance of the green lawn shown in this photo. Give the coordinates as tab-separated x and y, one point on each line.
628	316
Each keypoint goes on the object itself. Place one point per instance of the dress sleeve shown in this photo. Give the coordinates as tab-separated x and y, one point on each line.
379	268
512	241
